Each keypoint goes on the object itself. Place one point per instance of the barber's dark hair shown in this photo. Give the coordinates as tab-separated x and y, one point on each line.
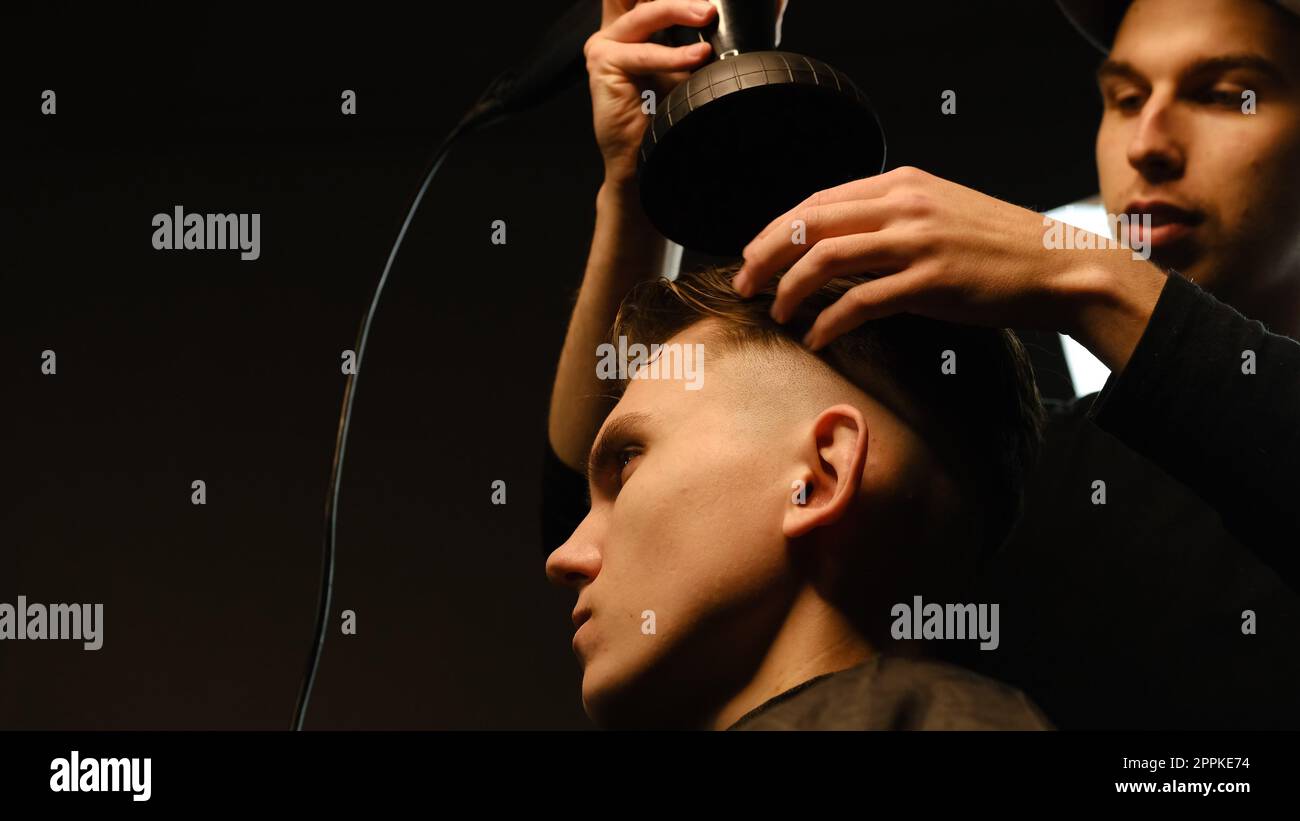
985	418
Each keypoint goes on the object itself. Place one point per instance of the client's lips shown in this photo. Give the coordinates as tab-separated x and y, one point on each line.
1169	223
580	615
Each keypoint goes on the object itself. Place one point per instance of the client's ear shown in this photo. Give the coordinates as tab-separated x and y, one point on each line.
832	461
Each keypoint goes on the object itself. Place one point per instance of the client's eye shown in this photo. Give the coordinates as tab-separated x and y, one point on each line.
624	461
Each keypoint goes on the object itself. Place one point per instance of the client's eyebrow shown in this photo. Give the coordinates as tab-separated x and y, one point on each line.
612	440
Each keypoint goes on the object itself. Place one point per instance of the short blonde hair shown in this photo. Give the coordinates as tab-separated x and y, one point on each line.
985	420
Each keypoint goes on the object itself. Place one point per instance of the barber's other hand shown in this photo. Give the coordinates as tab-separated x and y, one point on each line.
948	252
621	64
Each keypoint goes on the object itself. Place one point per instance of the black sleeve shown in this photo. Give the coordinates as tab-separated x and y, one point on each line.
564	500
1184	402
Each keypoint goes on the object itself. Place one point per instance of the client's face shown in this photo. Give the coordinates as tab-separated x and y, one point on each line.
681	561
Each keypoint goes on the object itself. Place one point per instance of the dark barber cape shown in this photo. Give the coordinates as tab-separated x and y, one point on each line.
1131	613
894	693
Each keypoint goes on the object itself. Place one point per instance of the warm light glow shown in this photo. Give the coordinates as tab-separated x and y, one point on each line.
1086	371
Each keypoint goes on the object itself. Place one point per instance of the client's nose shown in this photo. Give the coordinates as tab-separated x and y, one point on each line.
577	561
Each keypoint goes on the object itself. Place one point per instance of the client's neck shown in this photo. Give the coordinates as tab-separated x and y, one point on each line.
815	639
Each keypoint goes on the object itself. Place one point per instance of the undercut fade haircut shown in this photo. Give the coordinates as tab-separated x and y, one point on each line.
985	419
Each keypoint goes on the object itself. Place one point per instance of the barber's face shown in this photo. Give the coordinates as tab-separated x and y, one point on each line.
1174	141
681	559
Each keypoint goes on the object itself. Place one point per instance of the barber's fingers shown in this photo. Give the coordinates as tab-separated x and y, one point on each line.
875	299
637	25
647	58
803	228
866	188
621	45
611	10
878	252
665	82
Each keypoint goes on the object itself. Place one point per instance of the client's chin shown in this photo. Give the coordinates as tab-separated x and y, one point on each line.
618	695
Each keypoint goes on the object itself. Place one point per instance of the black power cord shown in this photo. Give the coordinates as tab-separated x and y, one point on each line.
548	69
340	442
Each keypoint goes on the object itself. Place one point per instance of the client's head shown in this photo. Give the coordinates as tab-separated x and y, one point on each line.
752	524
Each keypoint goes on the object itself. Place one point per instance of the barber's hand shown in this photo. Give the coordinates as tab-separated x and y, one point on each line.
951	253
621	65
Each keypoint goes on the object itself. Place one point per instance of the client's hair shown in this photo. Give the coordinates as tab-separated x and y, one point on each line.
983	416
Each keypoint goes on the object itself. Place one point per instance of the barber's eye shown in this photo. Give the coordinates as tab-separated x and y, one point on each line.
1226	97
1129	102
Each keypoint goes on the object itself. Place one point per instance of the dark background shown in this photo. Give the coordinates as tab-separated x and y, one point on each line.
176	366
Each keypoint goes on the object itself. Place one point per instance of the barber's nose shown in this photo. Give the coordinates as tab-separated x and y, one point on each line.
577	561
1156	149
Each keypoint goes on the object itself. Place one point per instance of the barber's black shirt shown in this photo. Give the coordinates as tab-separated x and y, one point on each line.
1132	612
